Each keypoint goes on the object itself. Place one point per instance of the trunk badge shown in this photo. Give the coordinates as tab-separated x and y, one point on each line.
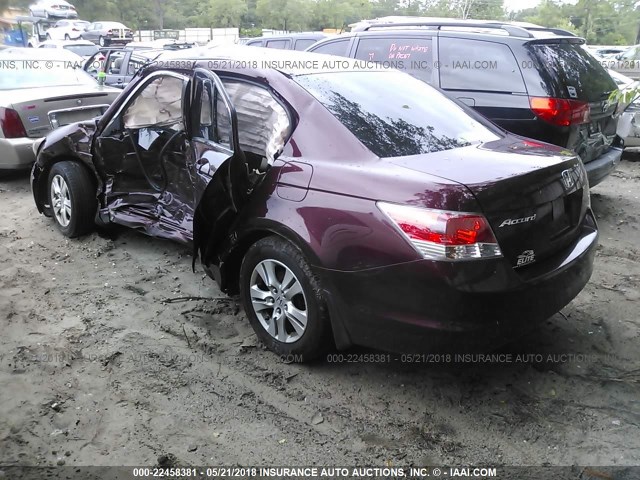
517	221
525	258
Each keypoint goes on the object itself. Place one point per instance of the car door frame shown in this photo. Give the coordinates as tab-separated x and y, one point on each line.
135	208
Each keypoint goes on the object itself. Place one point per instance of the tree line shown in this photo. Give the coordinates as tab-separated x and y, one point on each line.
604	22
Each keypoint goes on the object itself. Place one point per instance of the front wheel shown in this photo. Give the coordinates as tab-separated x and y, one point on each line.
72	198
283	300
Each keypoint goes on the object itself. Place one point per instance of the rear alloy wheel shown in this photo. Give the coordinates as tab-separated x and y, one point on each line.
103	42
72	198
283	300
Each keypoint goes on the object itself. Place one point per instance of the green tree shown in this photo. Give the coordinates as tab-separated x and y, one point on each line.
292	15
226	13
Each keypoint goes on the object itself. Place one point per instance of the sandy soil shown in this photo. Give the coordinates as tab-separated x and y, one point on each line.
99	367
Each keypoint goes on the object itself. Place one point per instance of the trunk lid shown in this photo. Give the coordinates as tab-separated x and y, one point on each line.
534	195
38	107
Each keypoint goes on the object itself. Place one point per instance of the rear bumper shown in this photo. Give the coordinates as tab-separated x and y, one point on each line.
599	168
16	153
119	40
427	306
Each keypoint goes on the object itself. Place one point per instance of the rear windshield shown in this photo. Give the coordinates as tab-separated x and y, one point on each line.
82	50
575	73
394	114
17	75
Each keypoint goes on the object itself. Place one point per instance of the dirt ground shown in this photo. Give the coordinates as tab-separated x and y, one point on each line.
99	367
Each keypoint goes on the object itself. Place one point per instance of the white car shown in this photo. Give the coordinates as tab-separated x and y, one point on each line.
53	9
67	30
82	48
629	122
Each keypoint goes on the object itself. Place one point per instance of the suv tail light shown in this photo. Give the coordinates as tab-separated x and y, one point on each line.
560	111
11	124
444	235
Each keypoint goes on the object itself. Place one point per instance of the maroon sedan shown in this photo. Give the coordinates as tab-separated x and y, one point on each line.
345	206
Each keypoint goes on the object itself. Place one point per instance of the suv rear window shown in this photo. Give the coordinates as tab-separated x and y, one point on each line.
394	114
574	72
478	65
412	55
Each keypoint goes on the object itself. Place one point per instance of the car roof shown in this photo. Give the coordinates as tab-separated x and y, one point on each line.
289	62
520	30
288	35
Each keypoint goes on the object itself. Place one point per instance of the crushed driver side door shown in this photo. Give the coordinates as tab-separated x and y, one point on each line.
143	155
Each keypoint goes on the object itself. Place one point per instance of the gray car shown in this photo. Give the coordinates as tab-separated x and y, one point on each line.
39	91
108	33
119	64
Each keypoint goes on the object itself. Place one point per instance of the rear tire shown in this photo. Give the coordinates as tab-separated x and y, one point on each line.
67	37
103	42
72	197
288	311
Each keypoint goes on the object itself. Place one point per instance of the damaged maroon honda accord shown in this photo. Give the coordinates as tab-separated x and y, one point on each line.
344	206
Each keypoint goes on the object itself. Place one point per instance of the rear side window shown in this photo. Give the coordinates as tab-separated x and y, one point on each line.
574	72
280	44
412	55
393	114
338	47
478	65
304	43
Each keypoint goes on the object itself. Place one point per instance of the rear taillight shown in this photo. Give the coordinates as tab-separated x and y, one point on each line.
444	235
11	124
560	111
109	32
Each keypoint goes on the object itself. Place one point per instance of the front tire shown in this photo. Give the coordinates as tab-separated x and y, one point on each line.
72	198
283	300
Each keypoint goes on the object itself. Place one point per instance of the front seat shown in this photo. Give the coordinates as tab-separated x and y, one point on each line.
117	65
